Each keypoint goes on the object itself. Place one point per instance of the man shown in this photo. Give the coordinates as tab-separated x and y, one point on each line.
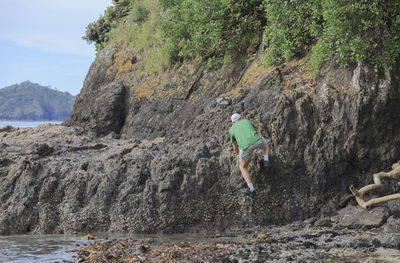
245	139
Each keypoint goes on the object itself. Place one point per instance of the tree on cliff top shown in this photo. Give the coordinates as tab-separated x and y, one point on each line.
98	32
347	30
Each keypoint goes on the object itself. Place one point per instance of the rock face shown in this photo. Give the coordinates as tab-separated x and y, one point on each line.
152	152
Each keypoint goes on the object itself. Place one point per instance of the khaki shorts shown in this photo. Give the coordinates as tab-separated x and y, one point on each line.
245	154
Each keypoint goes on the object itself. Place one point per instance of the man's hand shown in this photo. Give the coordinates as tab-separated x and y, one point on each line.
235	147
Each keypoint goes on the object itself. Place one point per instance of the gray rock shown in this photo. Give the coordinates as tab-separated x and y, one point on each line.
356	216
394	207
41	149
7	128
323	222
223	101
361	243
389	240
392	225
310	221
324	136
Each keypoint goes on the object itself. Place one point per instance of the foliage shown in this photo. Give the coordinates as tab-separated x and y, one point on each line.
145	35
319	53
98	31
30	101
222	26
361	31
288	28
348	30
140	12
165	32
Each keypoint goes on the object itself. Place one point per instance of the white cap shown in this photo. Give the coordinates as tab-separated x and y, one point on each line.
235	117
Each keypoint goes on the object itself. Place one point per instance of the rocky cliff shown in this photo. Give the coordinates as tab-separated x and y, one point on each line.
151	153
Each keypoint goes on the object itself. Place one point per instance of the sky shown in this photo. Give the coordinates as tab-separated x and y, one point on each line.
41	41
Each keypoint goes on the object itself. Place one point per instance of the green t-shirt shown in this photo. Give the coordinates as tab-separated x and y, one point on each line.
244	133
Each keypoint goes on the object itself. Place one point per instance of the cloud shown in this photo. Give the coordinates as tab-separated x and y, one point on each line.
51	26
41	41
30	68
74	61
53	43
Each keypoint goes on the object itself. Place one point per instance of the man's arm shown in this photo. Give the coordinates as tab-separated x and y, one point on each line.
235	147
259	133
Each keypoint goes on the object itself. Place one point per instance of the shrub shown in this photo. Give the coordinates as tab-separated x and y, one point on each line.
169	31
288	28
348	30
145	35
139	12
361	31
319	54
98	32
210	28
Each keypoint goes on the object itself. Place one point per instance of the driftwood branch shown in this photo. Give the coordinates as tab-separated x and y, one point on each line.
359	194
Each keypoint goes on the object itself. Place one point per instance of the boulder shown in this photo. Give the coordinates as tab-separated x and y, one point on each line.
392	225
356	216
388	240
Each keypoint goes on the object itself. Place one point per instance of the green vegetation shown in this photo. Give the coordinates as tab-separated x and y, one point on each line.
167	32
288	31
98	31
146	36
30	101
348	30
359	31
213	28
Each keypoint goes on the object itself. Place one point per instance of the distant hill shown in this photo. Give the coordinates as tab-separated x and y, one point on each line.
30	101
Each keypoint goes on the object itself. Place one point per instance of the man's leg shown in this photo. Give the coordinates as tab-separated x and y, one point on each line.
267	150
245	173
267	153
264	145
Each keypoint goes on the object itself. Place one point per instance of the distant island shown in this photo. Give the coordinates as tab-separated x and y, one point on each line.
31	101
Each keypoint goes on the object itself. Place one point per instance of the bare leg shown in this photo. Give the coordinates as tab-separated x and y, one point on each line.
245	173
267	150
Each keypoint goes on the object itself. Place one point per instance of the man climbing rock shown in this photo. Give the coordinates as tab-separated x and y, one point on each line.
245	139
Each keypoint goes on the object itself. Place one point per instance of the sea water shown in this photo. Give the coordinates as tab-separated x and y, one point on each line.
57	248
26	124
39	248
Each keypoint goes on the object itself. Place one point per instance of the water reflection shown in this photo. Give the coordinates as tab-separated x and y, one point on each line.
53	248
35	248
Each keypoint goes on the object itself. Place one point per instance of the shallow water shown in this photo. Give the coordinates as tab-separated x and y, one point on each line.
54	248
38	248
26	124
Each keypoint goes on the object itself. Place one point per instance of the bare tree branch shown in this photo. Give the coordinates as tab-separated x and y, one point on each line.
359	194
